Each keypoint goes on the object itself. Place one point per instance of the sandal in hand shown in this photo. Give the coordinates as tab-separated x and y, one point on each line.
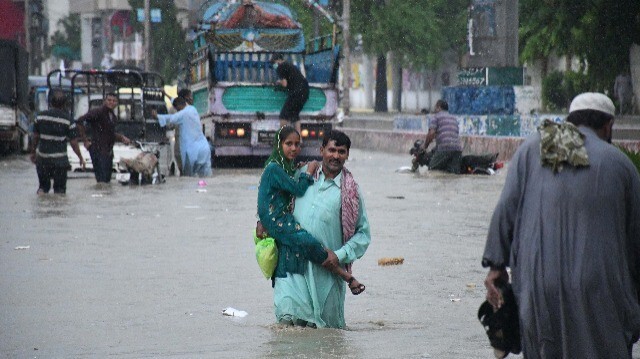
355	290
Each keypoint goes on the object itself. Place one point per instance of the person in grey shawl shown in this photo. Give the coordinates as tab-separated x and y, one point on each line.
567	224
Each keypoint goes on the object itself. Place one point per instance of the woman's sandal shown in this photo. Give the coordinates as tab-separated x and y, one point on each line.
355	290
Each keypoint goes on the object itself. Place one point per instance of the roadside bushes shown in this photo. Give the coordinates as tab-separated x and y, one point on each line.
559	88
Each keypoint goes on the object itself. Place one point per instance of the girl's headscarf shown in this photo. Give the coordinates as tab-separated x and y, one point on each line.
277	155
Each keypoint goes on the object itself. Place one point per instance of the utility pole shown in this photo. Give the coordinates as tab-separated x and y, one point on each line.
27	32
346	78
147	35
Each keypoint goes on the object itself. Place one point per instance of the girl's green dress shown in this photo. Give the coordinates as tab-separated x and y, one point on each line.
295	245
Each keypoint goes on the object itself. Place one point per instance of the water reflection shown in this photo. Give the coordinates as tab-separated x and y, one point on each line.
51	205
297	342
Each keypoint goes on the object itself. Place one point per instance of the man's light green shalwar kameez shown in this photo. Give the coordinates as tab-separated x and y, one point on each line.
317	296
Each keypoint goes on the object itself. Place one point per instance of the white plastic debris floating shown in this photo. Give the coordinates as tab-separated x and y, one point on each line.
232	312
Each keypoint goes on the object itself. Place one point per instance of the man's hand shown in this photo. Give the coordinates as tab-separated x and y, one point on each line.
261	232
33	157
87	144
126	140
154	113
331	261
494	297
312	167
83	163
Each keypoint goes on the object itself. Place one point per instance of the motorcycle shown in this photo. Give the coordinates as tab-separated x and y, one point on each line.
144	168
471	164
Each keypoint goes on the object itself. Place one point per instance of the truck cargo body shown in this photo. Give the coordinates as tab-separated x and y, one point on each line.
14	94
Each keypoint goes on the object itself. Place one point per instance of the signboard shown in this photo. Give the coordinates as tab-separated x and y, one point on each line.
505	76
473	76
491	76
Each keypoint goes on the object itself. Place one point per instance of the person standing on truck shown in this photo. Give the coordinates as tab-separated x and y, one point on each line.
51	131
103	125
194	148
290	77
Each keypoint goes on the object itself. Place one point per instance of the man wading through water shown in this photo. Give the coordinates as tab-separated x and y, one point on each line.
568	226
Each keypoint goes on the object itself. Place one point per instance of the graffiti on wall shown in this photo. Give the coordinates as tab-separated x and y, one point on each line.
491	125
472	100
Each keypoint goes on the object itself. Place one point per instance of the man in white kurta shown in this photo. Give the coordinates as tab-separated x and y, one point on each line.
194	148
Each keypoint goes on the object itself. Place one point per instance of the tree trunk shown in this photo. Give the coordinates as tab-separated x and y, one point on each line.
398	87
381	84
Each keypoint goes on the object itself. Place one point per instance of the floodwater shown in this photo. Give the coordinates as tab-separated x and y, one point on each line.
145	272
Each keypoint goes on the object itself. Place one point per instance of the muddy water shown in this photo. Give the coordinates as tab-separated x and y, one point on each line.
137	272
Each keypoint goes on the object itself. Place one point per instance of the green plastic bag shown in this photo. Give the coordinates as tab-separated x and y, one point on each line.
266	255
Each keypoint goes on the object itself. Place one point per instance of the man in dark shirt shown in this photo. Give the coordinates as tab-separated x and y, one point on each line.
290	77
103	126
51	131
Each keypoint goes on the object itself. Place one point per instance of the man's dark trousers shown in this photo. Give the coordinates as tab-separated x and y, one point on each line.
102	166
48	172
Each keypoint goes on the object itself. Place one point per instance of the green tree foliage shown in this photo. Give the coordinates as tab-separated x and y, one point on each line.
169	49
65	43
598	32
305	15
422	31
559	88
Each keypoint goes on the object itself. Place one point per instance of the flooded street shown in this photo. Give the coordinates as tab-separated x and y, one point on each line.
142	272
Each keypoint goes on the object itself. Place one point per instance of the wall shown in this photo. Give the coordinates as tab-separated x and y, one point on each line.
481	125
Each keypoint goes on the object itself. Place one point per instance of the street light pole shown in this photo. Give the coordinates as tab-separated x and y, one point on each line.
346	68
27	32
147	35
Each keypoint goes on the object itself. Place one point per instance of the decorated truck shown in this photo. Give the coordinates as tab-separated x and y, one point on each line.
233	82
14	97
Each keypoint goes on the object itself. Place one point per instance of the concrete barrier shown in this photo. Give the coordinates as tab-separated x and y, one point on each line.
401	142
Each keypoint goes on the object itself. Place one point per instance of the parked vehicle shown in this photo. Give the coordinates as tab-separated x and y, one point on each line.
14	97
39	96
138	94
233	82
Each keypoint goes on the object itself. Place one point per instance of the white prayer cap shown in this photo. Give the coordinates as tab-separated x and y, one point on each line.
593	101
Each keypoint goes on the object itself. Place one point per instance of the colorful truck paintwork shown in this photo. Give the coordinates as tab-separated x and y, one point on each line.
233	82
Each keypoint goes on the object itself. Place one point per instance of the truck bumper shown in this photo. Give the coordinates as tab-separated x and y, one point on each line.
8	134
309	149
